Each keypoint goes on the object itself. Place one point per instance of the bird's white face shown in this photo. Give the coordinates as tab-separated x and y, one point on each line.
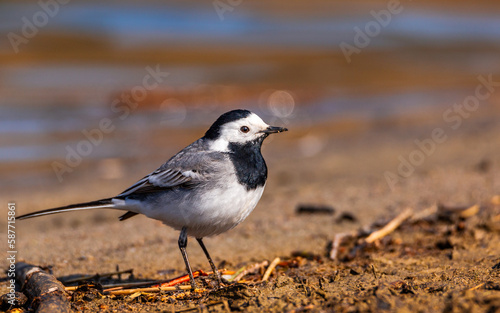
240	131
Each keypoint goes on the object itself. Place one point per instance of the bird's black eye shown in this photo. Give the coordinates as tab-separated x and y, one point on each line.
245	129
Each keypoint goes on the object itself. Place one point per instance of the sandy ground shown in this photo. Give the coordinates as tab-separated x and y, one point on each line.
357	166
337	164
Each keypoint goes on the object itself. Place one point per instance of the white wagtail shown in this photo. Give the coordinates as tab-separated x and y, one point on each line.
207	188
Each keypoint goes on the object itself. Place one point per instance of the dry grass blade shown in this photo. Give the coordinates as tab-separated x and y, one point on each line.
424	214
72	288
476	287
270	269
135	295
146	290
390	227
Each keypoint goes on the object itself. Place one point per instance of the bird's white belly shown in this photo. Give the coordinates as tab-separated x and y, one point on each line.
210	213
221	211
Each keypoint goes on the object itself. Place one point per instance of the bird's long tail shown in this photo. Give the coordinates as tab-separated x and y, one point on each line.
99	204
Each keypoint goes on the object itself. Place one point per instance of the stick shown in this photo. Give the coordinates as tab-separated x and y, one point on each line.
425	214
390	227
373	271
119	286
185	278
270	269
249	269
463	212
336	244
470	211
44	290
150	289
96	276
182	279
151	284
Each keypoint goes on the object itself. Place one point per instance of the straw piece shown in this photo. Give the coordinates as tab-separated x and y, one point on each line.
247	270
390	227
273	264
146	290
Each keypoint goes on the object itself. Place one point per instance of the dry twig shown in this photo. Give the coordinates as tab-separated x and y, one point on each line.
273	264
146	290
476	287
247	270
462	212
469	212
96	276
336	244
390	227
425	214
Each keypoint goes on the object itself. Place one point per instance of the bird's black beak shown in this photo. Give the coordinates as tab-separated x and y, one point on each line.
273	130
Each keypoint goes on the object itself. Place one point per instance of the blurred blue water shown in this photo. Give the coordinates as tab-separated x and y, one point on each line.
44	106
165	23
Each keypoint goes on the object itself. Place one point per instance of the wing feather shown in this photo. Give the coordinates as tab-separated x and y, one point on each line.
188	168
157	181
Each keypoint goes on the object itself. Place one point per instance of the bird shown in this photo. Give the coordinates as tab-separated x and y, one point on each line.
204	190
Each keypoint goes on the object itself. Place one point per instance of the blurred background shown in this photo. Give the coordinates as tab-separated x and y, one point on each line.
94	95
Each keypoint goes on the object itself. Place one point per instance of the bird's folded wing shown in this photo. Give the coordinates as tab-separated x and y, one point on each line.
160	179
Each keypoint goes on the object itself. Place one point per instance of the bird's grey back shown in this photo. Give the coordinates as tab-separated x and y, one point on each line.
197	157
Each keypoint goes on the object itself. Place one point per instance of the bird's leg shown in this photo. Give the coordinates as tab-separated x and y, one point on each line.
183	240
216	271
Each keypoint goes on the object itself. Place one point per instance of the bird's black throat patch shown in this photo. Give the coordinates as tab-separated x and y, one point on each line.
250	166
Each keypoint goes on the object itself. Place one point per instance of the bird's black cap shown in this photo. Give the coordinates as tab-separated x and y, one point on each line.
214	131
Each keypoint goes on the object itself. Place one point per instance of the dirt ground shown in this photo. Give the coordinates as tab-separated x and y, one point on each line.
440	263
